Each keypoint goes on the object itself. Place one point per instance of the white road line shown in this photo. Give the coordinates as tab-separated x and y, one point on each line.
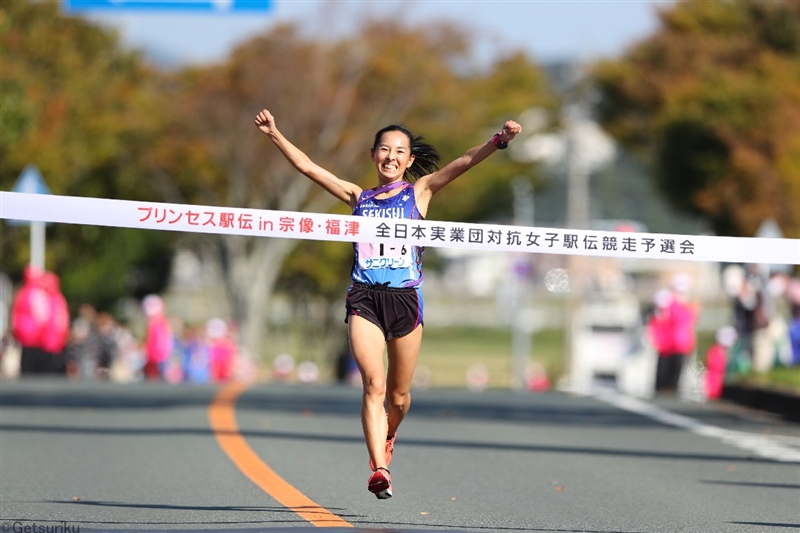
766	446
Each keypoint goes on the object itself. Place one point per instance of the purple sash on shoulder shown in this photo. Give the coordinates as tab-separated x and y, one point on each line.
372	193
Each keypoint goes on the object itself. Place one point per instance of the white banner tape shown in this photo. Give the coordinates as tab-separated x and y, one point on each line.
429	233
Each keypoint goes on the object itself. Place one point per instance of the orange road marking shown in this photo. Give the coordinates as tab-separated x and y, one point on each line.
222	418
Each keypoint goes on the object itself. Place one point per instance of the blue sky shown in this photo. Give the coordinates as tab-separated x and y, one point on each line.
547	29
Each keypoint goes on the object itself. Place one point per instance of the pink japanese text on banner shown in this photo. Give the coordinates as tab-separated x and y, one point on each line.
427	233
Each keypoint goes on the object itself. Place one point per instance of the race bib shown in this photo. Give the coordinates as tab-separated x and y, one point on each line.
383	255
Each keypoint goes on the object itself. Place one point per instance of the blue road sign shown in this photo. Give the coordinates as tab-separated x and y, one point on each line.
29	181
182	6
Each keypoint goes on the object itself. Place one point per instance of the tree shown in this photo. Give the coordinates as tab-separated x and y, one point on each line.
329	98
712	100
84	111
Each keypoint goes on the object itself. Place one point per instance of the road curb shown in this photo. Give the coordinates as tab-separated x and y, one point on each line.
783	403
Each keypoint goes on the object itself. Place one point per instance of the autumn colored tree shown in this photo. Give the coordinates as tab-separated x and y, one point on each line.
712	99
85	112
330	97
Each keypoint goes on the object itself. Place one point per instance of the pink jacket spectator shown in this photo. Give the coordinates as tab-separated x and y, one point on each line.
683	317
222	358
222	350
659	326
159	339
56	331
717	361
158	342
671	328
30	311
659	331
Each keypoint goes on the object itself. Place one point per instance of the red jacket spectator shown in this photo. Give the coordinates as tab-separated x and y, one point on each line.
683	317
717	361
56	331
31	310
222	350
659	326
671	328
158	344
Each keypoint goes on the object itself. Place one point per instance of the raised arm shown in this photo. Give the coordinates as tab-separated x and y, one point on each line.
427	186
341	189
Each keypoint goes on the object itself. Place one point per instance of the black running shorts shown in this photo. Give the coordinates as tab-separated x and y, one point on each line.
397	312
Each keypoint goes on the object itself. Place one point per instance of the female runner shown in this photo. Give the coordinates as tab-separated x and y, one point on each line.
384	303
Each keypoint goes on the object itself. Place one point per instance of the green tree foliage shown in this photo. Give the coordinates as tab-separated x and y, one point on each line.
713	99
477	104
85	112
98	121
330	98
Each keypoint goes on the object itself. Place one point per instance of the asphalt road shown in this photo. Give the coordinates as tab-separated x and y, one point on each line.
273	457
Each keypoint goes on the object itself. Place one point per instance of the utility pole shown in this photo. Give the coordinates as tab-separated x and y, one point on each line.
577	150
30	181
577	218
522	326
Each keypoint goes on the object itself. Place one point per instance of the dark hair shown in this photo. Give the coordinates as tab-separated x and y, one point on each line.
426	157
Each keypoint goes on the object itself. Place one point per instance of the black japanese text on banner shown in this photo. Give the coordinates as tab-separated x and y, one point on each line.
429	233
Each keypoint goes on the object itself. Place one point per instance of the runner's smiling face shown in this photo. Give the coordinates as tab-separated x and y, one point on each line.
392	156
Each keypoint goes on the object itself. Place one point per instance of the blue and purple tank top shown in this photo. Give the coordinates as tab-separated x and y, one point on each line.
395	265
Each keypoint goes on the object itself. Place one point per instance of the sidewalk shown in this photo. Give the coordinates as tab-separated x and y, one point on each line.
780	402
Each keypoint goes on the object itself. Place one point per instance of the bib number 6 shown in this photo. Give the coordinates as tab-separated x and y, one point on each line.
382	255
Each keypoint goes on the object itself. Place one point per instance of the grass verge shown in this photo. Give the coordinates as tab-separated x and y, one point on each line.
448	353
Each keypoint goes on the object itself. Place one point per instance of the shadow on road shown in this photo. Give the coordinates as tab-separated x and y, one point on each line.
538	409
185	526
358	439
752	484
500	405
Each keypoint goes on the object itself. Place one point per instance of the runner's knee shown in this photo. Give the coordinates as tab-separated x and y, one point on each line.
375	387
400	399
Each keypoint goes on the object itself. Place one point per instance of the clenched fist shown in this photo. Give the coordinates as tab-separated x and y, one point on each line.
265	121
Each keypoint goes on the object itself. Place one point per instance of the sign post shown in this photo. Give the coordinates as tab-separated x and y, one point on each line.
31	181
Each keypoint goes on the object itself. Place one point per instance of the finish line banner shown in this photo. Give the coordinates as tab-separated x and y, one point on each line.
394	232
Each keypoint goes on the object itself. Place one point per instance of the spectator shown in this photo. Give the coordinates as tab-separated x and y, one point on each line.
778	349
658	324
30	313
196	366
793	296
752	319
222	350
107	333
717	361
158	341
84	347
672	332
55	333
173	369
130	359
9	350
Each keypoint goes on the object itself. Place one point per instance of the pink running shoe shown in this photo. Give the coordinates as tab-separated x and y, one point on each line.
389	451
380	484
390	448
